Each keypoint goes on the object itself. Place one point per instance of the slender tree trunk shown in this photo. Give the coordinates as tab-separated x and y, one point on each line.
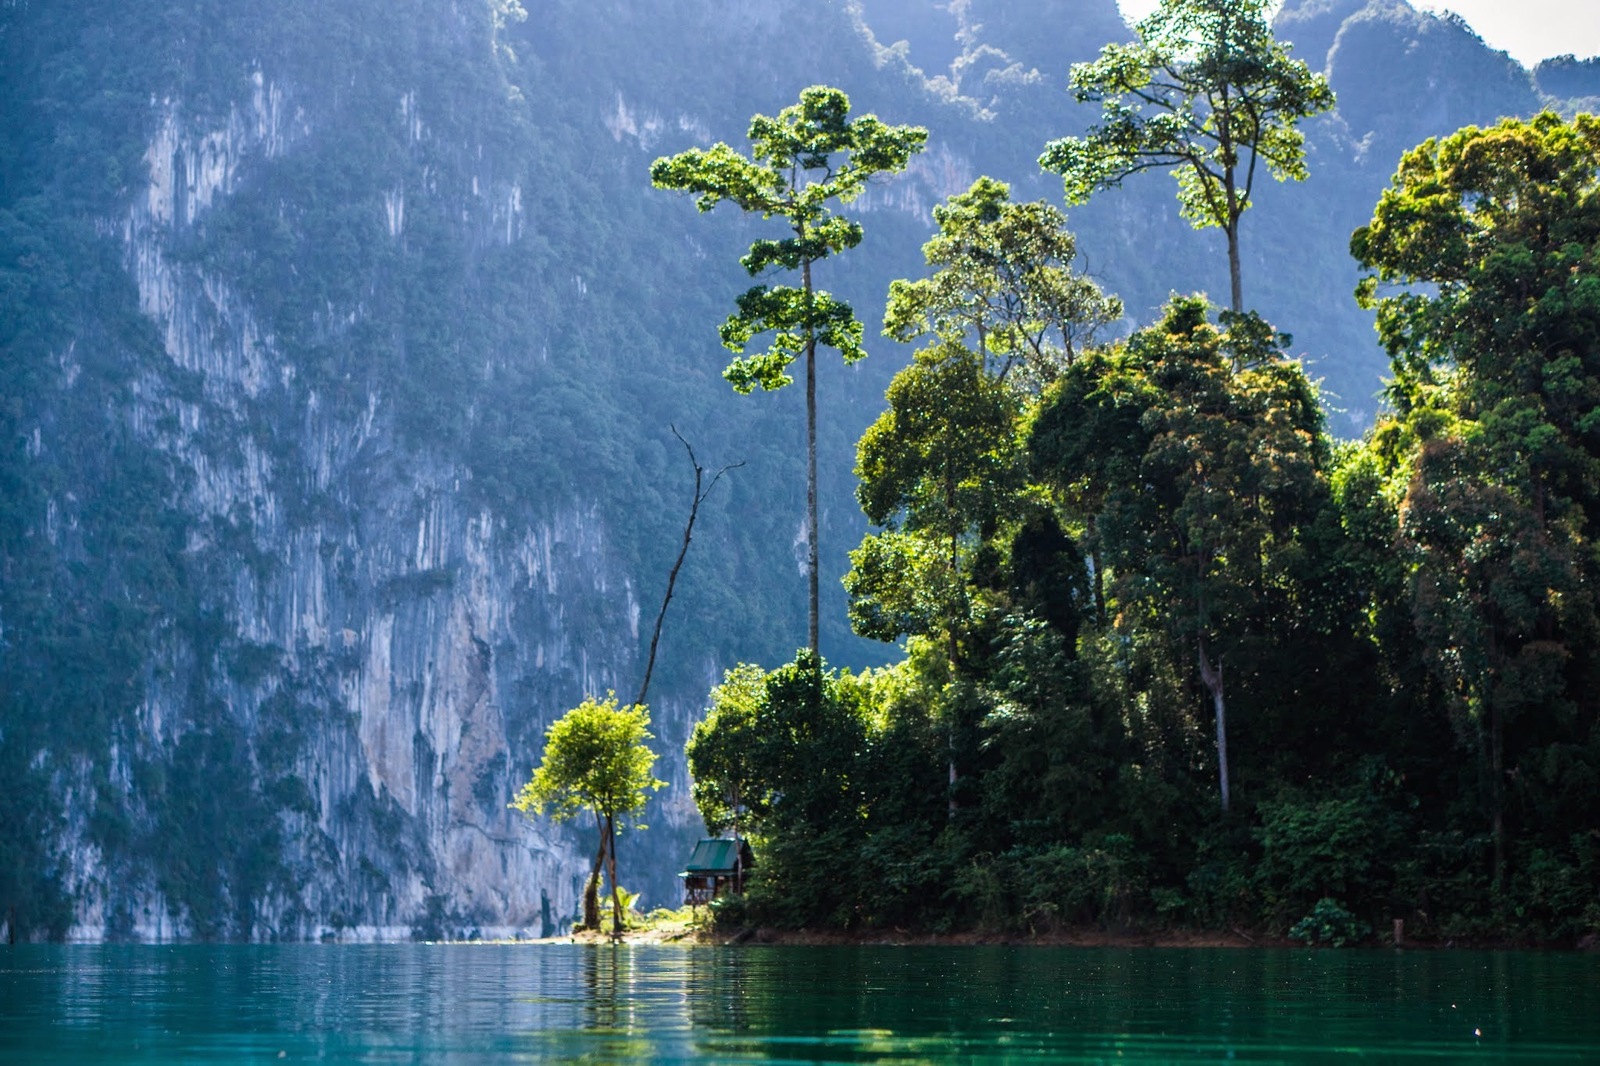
1235	276
1212	677
952	739
1099	578
611	861
1099	587
591	887
953	649
1497	796
1230	161
672	578
813	639
1233	264
699	497
738	849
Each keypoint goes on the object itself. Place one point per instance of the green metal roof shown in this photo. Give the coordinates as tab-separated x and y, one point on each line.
713	855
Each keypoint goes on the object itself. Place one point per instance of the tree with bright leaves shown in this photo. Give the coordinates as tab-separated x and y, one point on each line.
728	788
779	748
1003	285
939	469
802	162
1206	91
595	759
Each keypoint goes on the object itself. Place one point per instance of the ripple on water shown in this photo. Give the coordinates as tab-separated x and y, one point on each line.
482	1003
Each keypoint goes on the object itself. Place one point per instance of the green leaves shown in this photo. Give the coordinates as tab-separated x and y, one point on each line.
1194	456
899	585
1003	285
808	155
716	174
595	758
827	237
943	455
942	469
784	745
942	464
1504	221
727	783
1483	262
1206	90
794	318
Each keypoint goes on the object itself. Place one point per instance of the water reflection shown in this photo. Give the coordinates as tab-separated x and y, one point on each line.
435	1003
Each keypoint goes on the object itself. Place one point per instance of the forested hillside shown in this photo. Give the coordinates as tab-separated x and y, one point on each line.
1174	654
340	350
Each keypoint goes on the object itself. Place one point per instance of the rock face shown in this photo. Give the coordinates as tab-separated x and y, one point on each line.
364	642
404	335
420	619
341	346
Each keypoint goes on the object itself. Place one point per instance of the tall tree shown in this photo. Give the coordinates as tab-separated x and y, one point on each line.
1206	90
941	469
801	162
1224	466
595	759
1484	268
1003	285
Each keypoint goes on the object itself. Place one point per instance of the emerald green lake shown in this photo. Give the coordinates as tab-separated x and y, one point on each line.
504	1003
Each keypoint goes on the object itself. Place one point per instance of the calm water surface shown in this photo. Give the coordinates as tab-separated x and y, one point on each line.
469	1004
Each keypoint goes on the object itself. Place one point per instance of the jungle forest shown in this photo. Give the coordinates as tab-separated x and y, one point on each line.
1174	655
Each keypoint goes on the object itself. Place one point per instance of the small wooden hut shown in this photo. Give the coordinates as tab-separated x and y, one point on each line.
719	865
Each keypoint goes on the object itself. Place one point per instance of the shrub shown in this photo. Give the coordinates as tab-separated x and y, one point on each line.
1328	923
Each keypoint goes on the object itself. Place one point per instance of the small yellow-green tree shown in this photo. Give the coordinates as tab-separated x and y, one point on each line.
595	759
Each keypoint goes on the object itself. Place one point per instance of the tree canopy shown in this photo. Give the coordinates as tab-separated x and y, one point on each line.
1207	91
1003	285
804	160
1136	577
595	759
1482	266
1195	522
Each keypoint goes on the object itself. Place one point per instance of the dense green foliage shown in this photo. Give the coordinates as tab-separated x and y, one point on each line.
1403	627
1493	239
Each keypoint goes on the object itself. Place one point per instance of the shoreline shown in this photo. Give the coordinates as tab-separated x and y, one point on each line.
1237	939
765	937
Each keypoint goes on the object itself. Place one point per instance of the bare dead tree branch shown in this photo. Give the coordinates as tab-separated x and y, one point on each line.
701	491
